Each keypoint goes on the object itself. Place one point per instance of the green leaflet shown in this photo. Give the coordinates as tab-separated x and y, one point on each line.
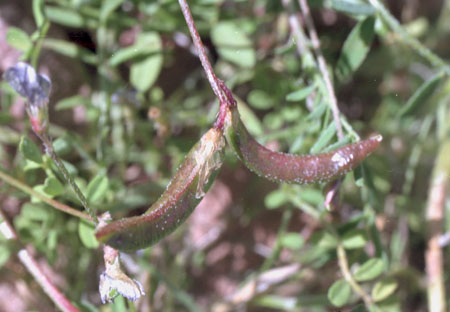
233	44
421	95
355	48
339	293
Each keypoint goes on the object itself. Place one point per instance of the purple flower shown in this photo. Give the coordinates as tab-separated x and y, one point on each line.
23	78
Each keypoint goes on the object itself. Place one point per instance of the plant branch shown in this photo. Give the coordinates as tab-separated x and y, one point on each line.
300	40
35	52
47	142
33	268
322	65
213	80
343	265
434	218
408	39
6	228
285	219
55	204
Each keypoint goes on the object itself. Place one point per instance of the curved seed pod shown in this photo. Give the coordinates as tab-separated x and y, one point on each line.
289	168
184	192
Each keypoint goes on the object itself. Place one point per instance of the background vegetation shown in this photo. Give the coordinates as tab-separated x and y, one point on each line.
129	99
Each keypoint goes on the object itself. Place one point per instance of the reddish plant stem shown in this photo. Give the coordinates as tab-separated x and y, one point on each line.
231	101
57	297
33	268
213	81
322	65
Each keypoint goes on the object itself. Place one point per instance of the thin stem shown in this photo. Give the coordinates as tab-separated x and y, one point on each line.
213	81
408	39
349	128
435	211
285	219
433	256
46	141
415	155
300	40
38	44
6	228
33	268
55	204
322	65
343	265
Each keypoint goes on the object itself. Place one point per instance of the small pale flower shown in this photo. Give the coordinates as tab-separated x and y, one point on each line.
114	282
23	78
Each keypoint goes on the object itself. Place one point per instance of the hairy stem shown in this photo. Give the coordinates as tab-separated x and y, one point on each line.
322	65
408	39
55	204
46	141
213	81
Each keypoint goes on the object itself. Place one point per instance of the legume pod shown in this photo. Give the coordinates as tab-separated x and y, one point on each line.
289	168
183	194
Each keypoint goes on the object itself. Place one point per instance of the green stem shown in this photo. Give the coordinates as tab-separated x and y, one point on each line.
343	265
55	204
415	154
349	128
51	152
38	45
286	217
332	100
408	39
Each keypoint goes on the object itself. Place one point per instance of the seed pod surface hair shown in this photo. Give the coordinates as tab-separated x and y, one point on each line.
289	168
184	192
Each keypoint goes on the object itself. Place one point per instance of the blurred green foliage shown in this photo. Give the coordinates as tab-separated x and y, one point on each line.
139	100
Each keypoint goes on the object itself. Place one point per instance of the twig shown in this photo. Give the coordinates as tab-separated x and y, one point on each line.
408	39
285	219
322	65
434	217
415	154
35	52
36	88
300	40
47	142
32	266
6	228
55	204
213	81
343	265
57	297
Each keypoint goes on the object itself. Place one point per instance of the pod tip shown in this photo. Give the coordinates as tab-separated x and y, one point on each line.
377	137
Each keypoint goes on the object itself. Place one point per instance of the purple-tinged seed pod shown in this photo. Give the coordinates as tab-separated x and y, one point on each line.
290	168
184	192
